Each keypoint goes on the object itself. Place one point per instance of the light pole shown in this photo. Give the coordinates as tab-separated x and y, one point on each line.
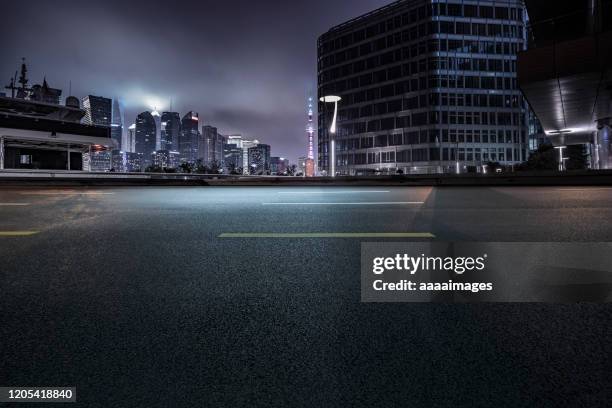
332	132
561	158
457	157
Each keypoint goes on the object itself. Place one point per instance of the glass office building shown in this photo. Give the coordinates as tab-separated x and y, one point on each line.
427	87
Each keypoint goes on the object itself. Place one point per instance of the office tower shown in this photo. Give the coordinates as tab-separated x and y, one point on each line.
301	165
426	86
232	158
212	145
207	148
235	140
117	124
130	140
245	145
278	165
259	159
127	162
218	152
98	161
166	159
144	136
566	75
157	119
98	110
170	130
189	138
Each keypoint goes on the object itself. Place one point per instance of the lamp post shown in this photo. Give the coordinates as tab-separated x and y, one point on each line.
458	170
332	132
561	158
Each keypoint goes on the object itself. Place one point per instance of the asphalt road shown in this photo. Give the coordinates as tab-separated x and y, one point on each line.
230	297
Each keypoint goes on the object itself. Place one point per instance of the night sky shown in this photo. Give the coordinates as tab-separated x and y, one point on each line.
246	66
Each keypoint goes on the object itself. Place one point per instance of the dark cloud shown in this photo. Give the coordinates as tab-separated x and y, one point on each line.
245	66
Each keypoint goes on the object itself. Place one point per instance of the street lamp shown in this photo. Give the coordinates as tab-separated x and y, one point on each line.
561	158
332	131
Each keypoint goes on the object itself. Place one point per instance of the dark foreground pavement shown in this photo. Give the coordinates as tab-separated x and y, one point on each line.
131	295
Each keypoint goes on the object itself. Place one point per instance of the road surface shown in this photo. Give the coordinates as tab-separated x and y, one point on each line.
249	296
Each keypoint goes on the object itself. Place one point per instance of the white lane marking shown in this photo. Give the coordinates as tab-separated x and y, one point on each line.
334	192
356	203
65	193
584	189
13	204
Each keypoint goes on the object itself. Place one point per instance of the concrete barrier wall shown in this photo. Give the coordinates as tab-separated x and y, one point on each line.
66	178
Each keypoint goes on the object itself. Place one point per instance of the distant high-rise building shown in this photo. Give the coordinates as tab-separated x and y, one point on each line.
259	159
232	158
278	165
98	110
166	159
157	119
189	138
301	165
144	136
117	124
170	130
98	161
127	162
212	145
207	148
245	145
235	140
130	139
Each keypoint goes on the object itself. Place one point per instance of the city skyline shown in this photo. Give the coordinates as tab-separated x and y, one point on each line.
249	77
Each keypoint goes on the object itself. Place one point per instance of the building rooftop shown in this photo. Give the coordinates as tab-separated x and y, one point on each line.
52	126
37	109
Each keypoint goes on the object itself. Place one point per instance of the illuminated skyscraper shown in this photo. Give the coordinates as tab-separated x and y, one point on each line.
130	140
189	137
98	110
157	119
212	145
259	159
145	136
170	129
117	124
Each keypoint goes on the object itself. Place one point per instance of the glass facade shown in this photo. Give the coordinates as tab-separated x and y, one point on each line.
426	86
189	142
259	159
170	130
145	136
98	110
